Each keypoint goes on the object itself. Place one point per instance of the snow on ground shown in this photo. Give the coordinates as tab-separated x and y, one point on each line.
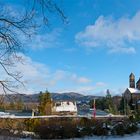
126	137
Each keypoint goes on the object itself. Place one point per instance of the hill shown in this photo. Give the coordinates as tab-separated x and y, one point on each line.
55	96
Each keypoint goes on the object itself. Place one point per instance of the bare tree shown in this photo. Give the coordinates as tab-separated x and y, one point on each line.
12	27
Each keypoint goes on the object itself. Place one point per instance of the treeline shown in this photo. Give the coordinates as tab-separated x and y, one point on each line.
13	105
114	105
105	103
18	105
43	106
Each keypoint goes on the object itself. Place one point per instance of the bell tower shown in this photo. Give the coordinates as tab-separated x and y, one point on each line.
138	84
132	80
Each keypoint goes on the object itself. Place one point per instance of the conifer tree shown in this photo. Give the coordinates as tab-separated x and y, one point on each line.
45	103
112	108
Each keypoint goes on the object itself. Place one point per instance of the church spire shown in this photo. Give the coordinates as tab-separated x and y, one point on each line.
132	80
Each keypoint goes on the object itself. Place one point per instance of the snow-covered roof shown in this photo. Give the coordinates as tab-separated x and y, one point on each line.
66	106
134	90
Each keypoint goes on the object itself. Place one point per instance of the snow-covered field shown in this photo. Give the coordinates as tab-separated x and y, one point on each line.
126	137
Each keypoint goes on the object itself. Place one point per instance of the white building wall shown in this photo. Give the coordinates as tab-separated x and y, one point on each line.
66	106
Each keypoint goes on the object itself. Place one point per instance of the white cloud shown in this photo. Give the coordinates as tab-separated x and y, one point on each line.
70	50
11	11
117	35
47	40
82	80
41	40
100	84
67	78
90	89
79	89
34	75
38	76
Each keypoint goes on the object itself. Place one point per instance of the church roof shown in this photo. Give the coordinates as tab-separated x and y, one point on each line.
134	90
138	81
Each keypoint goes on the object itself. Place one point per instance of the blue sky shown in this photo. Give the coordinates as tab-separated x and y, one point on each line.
95	51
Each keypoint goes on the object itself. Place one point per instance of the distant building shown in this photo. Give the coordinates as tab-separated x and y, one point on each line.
132	94
64	108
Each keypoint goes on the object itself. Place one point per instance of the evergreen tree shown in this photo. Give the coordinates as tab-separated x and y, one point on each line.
45	103
122	106
110	105
131	104
108	95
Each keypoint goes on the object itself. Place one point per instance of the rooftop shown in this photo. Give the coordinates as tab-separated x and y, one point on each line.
65	106
134	90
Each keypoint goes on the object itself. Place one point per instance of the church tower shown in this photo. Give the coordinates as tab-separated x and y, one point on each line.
138	84
132	80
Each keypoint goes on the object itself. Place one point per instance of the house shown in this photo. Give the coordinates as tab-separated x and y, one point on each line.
64	108
132	94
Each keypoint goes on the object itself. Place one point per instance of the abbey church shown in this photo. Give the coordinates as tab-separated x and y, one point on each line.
133	92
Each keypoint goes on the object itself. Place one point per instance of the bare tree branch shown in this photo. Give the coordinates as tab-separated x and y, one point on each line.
11	27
